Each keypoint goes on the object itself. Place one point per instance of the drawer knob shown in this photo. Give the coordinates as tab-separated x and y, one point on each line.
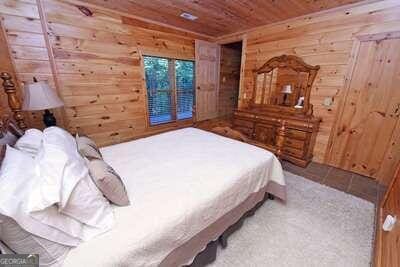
389	223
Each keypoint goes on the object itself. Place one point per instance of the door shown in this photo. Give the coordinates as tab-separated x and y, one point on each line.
388	240
207	80
366	129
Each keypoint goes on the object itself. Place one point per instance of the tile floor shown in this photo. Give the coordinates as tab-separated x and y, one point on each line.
351	183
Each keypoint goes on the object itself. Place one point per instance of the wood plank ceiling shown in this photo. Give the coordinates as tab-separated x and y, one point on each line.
219	17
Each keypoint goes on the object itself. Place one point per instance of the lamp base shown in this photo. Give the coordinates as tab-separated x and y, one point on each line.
49	119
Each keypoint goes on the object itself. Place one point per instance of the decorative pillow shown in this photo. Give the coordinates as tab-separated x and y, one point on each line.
109	182
22	242
8	138
2	152
30	142
4	249
87	147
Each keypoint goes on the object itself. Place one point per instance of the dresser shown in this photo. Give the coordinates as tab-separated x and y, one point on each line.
279	116
299	132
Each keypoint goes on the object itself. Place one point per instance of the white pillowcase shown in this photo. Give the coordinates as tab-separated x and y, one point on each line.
86	215
18	178
30	142
88	205
60	168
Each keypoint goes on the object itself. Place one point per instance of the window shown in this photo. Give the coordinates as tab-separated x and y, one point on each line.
170	89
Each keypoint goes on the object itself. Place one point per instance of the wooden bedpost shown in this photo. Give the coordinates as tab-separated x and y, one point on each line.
280	138
13	101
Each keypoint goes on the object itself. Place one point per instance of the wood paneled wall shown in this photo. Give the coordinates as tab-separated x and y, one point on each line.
28	50
324	39
95	62
229	80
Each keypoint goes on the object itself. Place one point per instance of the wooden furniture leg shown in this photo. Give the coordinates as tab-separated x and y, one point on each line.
13	101
280	139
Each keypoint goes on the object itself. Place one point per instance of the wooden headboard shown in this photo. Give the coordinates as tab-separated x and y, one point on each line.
13	103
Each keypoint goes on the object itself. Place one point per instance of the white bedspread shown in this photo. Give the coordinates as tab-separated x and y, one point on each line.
179	182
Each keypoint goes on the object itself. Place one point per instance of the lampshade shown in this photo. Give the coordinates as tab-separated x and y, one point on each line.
39	96
287	89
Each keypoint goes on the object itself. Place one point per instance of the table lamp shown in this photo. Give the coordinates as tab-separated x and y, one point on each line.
286	90
39	96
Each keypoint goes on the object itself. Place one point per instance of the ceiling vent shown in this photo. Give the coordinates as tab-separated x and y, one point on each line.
188	16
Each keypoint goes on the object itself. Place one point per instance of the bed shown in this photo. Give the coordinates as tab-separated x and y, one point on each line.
187	187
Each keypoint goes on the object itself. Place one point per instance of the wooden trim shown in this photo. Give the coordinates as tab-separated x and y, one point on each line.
53	66
13	100
338	117
172	80
144	88
172	83
377	252
242	69
378	36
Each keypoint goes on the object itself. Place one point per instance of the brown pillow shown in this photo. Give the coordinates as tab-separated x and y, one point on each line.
87	147
109	182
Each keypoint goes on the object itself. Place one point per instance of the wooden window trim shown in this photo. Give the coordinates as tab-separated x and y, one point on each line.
175	123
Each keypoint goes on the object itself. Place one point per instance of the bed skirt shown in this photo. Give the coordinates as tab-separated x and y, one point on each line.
201	248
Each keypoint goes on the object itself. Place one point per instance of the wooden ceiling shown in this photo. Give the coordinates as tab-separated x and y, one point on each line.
219	17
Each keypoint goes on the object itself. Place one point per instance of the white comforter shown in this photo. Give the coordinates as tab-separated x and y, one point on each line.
179	183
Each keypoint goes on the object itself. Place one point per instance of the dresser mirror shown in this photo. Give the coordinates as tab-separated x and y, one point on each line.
284	84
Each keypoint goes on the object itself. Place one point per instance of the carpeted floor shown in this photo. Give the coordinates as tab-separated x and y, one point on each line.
319	226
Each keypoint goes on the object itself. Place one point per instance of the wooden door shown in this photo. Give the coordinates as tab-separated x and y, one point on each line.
366	129
207	80
387	253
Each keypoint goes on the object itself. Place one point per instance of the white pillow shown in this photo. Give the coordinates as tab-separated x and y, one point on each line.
60	168
18	179
30	142
88	205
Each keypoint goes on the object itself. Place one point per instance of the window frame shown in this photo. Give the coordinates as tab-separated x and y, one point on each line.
175	122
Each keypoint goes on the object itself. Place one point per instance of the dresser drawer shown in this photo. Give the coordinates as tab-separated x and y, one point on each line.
243	123
293	152
294	143
296	134
245	130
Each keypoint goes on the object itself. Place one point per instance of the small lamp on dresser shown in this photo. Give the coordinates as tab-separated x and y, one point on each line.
286	91
39	96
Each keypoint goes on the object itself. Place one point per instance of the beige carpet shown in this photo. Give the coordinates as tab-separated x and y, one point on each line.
319	226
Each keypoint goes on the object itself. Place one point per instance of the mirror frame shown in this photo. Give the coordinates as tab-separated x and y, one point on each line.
295	63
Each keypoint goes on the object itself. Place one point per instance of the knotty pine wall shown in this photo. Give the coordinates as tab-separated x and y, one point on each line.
229	80
324	39
93	61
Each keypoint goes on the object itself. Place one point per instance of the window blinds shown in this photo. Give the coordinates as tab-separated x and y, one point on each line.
170	89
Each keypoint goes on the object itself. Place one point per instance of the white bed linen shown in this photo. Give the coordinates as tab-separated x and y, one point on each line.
178	183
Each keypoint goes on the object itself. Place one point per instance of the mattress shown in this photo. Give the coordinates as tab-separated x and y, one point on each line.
179	183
